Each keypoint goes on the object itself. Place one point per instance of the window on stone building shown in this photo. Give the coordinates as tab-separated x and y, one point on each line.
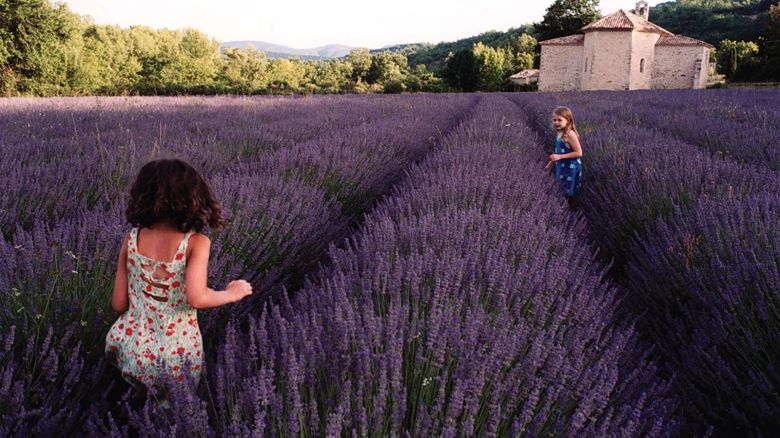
586	64
642	65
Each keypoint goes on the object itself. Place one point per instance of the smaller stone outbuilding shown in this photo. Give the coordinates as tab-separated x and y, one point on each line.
525	77
623	51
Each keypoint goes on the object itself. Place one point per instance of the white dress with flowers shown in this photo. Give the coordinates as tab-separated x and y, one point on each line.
159	331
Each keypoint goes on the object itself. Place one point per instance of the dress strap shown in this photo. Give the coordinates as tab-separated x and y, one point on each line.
133	241
182	249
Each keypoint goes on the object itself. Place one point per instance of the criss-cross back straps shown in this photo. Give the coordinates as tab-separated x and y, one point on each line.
157	273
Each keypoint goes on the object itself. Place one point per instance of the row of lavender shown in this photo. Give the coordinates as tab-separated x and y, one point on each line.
741	125
61	156
696	241
285	201
467	305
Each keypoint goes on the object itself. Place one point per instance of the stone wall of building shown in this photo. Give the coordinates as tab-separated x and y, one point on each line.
676	67
642	60
607	55
560	68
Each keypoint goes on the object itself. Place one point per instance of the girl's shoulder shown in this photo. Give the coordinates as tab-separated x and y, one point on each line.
571	137
198	241
198	238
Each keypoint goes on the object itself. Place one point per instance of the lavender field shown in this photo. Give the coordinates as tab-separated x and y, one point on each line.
416	272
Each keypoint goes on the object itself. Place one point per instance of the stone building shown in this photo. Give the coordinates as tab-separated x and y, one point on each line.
623	51
525	77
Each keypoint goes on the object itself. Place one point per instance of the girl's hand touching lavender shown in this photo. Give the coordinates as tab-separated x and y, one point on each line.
239	289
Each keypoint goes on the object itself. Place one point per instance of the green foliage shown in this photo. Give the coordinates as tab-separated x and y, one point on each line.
33	34
330	76
770	44
394	87
386	67
108	63
462	70
492	67
713	20
567	17
737	58
285	76
422	79
435	56
747	27
47	50
360	60
243	71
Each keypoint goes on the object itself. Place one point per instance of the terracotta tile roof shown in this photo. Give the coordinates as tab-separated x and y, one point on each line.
570	40
680	40
625	20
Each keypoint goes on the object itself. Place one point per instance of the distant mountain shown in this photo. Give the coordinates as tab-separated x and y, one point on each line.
329	51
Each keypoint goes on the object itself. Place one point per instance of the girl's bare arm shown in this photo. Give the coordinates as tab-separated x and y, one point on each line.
198	294
574	142
119	301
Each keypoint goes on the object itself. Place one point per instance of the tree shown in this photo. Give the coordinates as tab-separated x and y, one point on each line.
735	58
107	61
32	35
243	71
567	17
361	63
421	79
492	70
462	71
712	20
330	76
286	75
386	67
195	64
770	44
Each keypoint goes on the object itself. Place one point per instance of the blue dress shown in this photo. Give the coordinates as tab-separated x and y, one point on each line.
568	172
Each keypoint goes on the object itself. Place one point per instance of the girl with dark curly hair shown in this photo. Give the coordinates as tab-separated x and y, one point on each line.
161	276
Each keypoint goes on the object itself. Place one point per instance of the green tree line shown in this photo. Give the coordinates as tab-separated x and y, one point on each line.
47	50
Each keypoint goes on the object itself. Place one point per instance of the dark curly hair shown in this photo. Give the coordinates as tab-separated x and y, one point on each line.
172	189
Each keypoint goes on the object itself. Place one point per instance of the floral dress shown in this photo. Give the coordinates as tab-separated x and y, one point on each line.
568	172
159	331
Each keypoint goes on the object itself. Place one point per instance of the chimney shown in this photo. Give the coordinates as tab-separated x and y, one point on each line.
642	9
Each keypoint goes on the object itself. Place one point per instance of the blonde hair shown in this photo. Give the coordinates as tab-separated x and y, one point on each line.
565	112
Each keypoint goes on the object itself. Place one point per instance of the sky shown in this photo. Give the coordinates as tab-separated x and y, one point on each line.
305	24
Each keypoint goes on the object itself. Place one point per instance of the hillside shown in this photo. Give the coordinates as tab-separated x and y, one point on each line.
707	20
713	20
434	55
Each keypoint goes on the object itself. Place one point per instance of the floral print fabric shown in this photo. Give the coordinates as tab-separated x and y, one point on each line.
159	331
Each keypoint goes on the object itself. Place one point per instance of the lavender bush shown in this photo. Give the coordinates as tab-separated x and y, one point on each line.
646	178
460	308
709	277
467	302
737	125
295	232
